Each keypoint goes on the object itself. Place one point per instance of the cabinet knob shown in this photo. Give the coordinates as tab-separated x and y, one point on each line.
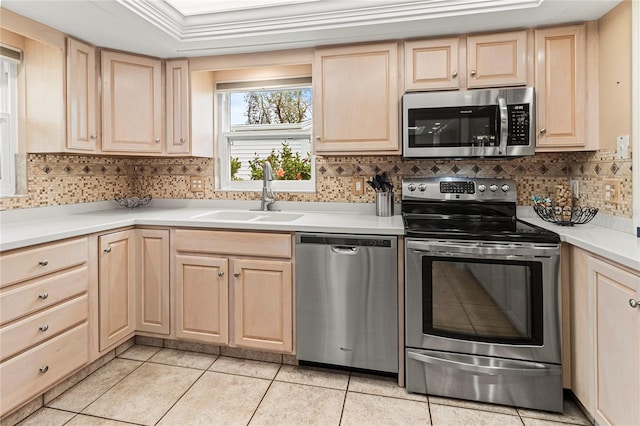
43	295
473	73
94	136
44	262
633	303
543	131
318	138
221	274
237	274
44	327
182	141
107	250
44	369
157	140
454	74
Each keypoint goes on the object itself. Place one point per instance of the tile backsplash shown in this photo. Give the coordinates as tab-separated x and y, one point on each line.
65	179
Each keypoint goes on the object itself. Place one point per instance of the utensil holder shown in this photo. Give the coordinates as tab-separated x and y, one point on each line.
384	204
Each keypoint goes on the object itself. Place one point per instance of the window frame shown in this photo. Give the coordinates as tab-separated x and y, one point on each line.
9	146
227	133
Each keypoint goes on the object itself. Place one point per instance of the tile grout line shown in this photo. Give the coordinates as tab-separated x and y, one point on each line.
183	393
265	394
344	400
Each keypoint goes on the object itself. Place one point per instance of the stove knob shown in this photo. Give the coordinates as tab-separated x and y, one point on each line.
482	187
493	188
412	187
422	187
505	187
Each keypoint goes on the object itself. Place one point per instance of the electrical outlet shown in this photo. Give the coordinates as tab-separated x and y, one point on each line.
358	186
196	184
612	191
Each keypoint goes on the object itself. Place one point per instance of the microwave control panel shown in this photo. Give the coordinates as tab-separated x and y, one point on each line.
519	123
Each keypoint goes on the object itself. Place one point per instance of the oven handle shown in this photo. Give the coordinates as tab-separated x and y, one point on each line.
504	125
484	249
486	370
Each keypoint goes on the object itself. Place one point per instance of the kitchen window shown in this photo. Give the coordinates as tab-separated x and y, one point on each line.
9	61
265	120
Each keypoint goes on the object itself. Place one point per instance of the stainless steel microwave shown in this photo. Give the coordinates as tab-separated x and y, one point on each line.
471	123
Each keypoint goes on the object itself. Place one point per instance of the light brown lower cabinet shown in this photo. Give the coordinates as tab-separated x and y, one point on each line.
202	298
252	308
263	305
116	284
605	343
152	280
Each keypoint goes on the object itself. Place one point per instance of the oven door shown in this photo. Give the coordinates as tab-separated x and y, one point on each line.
483	298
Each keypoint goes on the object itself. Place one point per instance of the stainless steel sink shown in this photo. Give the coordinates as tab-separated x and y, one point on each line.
248	216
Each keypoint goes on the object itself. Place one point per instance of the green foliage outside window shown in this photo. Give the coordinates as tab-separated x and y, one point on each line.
286	165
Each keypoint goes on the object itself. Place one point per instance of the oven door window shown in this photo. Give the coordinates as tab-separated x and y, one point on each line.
453	126
492	301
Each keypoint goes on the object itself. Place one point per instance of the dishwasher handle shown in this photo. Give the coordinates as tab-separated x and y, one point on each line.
346	250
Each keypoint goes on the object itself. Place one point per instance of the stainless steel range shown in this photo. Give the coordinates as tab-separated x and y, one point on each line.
482	309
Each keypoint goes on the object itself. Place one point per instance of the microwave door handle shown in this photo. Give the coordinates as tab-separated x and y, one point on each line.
504	125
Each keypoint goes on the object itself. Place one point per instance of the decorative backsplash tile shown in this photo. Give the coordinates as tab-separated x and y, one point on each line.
64	179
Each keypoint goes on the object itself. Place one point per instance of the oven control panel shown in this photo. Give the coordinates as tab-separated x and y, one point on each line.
463	189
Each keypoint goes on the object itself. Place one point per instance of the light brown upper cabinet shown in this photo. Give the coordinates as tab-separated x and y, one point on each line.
495	60
177	96
82	102
131	103
356	99
566	113
488	60
432	64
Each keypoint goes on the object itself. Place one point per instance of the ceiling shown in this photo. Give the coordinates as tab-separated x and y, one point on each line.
187	28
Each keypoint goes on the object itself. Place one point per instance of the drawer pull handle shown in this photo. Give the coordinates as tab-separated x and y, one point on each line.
221	274
107	250
633	303
44	327
44	369
44	262
43	295
237	274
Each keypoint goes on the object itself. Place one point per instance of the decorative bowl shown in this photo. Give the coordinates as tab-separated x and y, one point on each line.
133	202
567	215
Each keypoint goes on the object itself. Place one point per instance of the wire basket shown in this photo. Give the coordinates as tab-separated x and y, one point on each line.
566	216
133	202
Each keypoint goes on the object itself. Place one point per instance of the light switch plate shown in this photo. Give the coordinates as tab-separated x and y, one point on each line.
622	147
196	184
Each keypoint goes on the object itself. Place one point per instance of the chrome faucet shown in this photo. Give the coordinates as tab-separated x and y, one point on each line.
268	197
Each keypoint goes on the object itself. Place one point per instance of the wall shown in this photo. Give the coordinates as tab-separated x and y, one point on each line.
64	179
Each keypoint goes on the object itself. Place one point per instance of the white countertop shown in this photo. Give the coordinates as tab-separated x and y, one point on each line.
25	227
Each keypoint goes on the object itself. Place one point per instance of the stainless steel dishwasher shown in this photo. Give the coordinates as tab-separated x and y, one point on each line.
347	300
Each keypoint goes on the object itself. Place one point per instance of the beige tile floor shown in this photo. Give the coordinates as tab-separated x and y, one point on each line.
147	385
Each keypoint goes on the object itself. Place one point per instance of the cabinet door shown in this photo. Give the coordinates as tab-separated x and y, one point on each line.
355	97
263	308
116	295
202	299
152	278
616	331
82	131
561	86
131	103
432	64
177	95
497	59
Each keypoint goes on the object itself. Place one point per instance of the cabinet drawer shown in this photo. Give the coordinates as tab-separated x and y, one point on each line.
234	243
19	336
32	372
34	262
42	293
